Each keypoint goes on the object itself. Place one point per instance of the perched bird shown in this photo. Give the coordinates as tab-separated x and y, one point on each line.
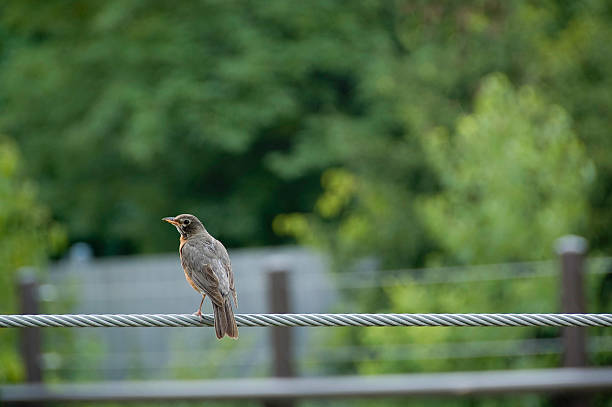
209	271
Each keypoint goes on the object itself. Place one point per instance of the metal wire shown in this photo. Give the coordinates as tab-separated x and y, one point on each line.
314	320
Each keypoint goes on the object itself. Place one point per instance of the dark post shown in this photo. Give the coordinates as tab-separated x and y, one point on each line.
282	340
30	337
572	250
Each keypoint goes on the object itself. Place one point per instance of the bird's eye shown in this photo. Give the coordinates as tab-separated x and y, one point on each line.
186	222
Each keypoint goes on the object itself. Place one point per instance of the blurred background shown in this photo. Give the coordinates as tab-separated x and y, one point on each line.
391	156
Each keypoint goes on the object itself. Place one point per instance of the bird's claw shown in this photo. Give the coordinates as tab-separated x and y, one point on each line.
198	313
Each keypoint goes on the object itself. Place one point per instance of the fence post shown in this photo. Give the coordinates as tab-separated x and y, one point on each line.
282	338
30	337
572	250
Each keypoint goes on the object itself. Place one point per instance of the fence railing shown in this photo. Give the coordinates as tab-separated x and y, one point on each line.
574	380
573	342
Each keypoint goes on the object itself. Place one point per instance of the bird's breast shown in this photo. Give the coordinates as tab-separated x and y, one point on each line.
187	277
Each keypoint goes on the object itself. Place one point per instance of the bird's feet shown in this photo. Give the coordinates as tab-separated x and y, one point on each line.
198	313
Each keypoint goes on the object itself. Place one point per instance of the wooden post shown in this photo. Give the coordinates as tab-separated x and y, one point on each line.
282	338
30	337
29	346
571	250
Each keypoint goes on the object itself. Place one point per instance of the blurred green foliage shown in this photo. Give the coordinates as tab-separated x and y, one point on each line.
28	236
132	110
515	178
529	164
127	111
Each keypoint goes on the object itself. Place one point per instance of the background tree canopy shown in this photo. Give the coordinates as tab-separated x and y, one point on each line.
127	111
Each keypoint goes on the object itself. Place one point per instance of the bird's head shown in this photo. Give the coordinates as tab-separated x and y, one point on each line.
187	225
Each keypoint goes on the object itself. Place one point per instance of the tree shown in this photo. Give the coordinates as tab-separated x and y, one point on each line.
129	111
28	236
514	178
444	51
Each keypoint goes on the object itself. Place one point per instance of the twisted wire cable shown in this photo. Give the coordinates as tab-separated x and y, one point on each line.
306	320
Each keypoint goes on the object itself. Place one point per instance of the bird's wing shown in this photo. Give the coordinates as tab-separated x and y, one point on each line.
198	261
227	266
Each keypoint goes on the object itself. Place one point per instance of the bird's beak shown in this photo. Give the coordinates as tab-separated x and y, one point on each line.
170	219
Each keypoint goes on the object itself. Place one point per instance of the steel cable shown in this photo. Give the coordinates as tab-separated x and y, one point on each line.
305	320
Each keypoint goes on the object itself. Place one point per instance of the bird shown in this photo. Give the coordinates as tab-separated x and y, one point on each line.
208	270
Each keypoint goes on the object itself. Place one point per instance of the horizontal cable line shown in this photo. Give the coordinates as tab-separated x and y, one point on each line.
391	278
310	320
329	355
595	265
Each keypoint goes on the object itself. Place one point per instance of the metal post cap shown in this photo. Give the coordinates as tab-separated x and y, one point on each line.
571	244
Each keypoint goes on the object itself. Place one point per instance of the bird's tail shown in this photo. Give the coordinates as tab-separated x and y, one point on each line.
225	323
